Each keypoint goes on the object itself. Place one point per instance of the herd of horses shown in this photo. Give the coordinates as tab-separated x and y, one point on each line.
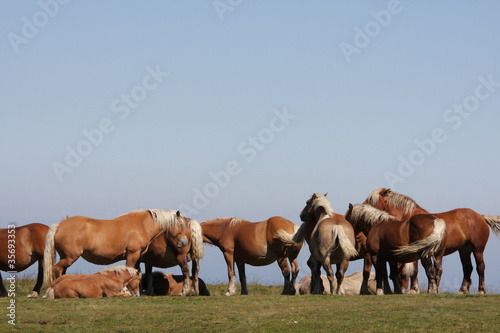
387	228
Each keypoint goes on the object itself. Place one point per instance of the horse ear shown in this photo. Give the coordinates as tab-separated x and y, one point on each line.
326	194
384	192
351	206
178	213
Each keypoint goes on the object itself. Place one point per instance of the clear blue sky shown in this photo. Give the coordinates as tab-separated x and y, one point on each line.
111	106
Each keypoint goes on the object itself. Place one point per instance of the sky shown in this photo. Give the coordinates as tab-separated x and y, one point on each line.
246	108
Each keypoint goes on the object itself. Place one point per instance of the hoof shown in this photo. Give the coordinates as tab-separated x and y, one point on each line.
33	294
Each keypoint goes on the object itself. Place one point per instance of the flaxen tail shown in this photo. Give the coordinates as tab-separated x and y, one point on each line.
197	250
494	223
49	255
291	239
428	246
344	241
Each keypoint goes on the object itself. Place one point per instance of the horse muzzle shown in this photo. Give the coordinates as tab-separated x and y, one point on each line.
182	242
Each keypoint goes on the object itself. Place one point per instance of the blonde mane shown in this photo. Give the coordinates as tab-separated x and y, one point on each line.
166	218
235	221
397	200
119	270
323	202
368	214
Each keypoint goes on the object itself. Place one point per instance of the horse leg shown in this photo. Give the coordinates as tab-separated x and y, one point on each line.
228	256
341	269
438	266
430	271
466	268
394	277
367	266
380	274
480	266
285	271
39	281
148	277
186	286
329	274
295	272
316	284
415	288
243	277
195	269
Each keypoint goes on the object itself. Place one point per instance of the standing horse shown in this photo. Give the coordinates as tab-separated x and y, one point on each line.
466	231
107	283
331	241
104	242
389	240
164	253
20	248
256	244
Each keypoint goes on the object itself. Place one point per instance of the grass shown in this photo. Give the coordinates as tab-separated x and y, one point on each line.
264	310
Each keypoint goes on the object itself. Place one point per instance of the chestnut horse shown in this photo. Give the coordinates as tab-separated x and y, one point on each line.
104	242
422	237
107	283
466	231
164	253
331	241
256	244
20	248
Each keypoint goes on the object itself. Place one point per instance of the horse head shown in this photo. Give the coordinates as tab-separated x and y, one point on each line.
313	205
177	232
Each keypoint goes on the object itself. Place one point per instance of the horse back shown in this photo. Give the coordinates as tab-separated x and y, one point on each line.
276	223
464	226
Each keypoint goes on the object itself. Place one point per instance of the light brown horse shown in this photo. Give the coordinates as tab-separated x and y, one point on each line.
104	242
350	286
422	237
20	248
466	231
256	244
164	253
107	283
331	241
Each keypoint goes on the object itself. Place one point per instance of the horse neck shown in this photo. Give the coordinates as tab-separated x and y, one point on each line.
213	230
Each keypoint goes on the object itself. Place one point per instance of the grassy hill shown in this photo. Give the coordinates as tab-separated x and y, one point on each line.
264	310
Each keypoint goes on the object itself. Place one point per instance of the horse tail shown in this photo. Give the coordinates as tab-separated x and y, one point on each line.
197	250
49	294
494	223
428	245
290	239
49	255
344	242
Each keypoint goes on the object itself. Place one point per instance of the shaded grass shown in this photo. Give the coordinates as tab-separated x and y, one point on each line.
263	310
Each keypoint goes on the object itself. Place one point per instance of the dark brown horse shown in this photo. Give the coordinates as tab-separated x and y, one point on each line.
389	240
20	248
164	253
256	244
331	241
104	242
466	231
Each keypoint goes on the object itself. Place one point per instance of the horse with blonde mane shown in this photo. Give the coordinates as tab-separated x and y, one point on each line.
20	248
164	253
466	231
331	241
104	242
390	240
108	283
257	244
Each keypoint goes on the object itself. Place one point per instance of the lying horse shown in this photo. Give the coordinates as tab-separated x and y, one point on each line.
389	240
164	253
331	241
466	231
256	244
107	283
350	286
20	248
105	242
171	285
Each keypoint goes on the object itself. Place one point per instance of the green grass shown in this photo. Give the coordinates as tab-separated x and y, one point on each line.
263	310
